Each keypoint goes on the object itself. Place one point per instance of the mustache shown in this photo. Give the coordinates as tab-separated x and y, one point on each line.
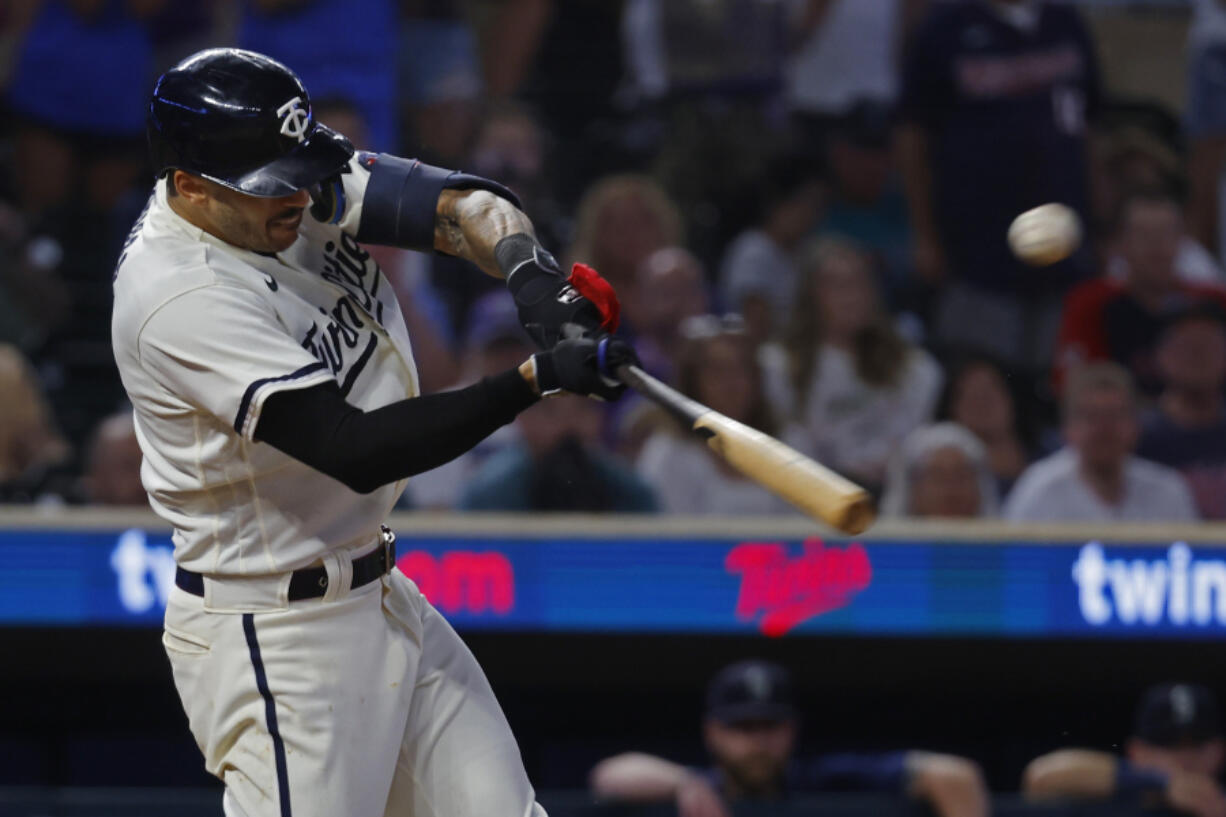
287	214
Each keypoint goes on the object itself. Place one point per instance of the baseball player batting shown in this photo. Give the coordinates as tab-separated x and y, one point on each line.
277	407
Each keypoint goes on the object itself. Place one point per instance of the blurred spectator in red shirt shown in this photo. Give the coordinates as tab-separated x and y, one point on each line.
717	367
1187	428
622	219
112	465
942	471
1106	319
844	376
996	98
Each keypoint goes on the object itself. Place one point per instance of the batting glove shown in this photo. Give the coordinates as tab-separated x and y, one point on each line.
551	306
586	366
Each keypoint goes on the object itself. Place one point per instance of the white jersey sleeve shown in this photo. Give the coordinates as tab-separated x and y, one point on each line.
225	351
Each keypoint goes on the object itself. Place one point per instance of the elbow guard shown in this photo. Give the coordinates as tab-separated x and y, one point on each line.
401	200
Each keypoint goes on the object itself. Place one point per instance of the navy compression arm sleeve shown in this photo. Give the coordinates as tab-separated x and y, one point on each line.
368	449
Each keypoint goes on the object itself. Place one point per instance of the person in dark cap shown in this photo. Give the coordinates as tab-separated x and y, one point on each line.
1175	757
750	727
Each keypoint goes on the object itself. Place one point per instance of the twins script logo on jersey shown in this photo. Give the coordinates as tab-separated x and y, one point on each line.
336	342
294	119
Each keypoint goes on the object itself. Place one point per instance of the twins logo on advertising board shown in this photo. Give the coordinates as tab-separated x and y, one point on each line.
1177	590
786	591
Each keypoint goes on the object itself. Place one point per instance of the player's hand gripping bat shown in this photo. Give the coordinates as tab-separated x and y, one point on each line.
813	488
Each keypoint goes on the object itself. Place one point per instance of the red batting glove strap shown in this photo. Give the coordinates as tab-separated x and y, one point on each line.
588	283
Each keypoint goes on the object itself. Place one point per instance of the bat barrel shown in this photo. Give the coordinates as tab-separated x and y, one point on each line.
812	487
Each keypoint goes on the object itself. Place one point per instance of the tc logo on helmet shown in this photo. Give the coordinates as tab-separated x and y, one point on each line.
294	119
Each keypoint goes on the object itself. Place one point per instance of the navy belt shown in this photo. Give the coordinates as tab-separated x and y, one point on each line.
312	582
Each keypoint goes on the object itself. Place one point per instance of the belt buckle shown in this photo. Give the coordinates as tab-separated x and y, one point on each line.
387	540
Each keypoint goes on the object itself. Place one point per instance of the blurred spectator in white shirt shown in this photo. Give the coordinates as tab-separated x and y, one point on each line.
941	471
717	367
844	375
1097	478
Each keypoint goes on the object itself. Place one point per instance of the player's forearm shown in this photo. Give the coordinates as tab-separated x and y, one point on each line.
952	786
637	776
470	223
1071	773
366	450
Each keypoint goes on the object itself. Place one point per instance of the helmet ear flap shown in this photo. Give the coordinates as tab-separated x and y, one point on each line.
328	199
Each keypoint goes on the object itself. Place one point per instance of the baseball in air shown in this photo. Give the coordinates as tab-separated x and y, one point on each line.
1045	235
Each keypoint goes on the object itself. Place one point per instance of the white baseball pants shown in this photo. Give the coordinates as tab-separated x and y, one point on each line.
366	705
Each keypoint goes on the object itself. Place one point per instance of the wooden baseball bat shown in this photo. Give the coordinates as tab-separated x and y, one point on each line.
786	472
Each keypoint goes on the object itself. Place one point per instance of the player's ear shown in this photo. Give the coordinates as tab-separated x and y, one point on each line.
192	188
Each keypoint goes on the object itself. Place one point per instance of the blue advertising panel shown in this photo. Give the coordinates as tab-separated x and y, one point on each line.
700	585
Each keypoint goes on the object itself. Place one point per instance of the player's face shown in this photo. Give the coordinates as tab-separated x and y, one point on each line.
247	222
946	485
259	224
753	754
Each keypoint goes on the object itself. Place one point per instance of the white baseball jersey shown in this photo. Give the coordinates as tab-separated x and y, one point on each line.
204	332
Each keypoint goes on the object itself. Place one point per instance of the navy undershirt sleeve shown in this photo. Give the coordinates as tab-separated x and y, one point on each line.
368	449
401	199
886	773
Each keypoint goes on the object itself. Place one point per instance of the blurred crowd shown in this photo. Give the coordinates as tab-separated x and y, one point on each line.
802	204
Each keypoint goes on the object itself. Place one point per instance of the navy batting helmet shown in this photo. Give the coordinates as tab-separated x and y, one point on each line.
242	120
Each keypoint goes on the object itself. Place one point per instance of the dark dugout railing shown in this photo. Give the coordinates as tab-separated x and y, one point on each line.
97	802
